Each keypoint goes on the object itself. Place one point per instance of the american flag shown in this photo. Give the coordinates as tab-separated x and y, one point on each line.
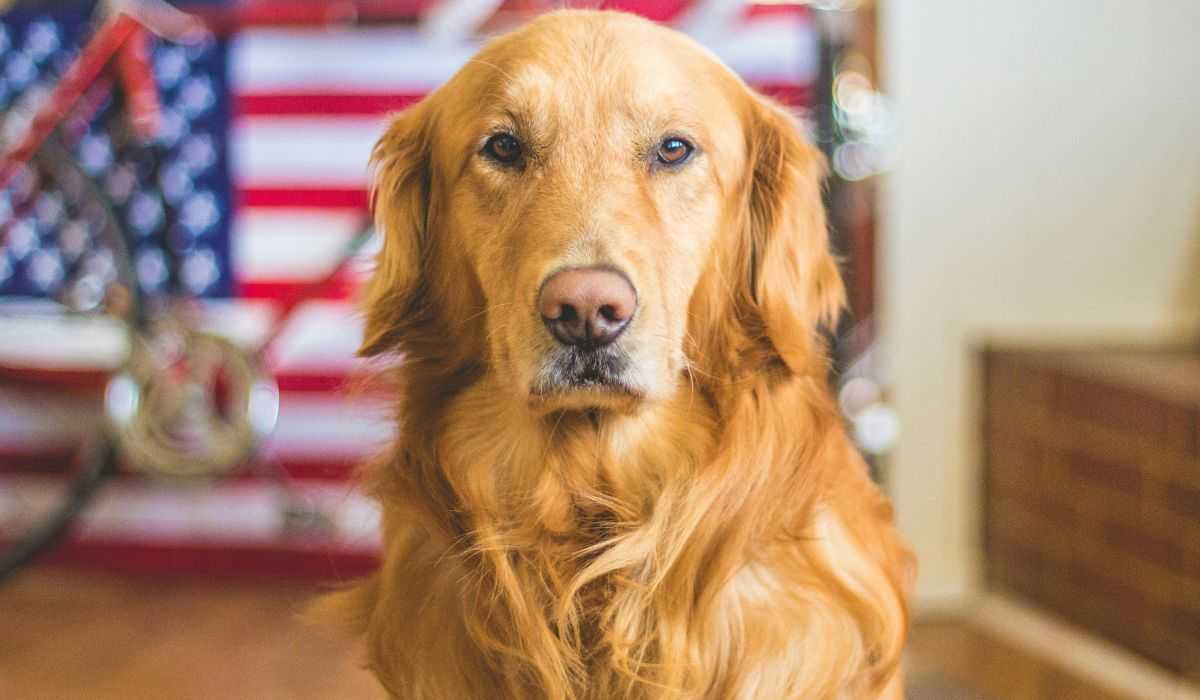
173	194
260	180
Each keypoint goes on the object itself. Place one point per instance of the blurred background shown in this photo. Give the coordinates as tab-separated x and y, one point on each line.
1014	189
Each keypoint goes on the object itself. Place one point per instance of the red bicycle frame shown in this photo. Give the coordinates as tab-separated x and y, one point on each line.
123	43
123	37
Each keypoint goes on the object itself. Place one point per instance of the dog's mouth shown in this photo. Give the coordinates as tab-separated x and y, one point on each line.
572	377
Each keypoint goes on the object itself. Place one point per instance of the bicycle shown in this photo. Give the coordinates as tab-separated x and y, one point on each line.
183	402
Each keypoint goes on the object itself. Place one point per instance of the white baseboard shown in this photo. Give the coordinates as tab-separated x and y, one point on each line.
1097	661
942	601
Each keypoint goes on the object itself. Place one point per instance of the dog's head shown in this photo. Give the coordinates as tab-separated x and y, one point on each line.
592	206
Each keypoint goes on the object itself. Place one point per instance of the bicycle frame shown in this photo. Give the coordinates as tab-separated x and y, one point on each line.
122	36
122	45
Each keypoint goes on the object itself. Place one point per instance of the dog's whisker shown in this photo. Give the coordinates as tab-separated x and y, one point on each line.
491	65
485	310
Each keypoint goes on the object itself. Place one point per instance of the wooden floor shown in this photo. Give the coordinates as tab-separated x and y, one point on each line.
65	636
949	651
68	636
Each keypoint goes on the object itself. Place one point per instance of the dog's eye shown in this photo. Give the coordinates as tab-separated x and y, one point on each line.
674	151
503	148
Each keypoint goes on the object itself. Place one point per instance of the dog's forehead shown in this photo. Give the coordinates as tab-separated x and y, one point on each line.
618	61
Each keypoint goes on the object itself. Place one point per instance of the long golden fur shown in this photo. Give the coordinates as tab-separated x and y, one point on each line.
706	531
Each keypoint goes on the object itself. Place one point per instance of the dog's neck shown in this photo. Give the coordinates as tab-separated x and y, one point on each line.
564	490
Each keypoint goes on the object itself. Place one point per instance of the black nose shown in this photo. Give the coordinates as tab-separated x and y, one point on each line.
587	307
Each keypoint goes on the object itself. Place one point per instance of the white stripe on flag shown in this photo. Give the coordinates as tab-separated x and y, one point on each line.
290	244
773	48
770	51
232	512
340	61
63	342
329	426
311	425
56	341
321	336
303	152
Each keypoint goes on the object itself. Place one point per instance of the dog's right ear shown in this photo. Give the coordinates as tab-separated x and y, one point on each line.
400	191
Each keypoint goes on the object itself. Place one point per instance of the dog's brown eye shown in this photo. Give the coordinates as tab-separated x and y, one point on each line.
674	151
503	148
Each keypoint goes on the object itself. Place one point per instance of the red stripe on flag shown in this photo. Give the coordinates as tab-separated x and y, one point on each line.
62	463
783	9
302	104
316	469
55	379
322	198
657	10
47	460
315	15
276	13
290	289
312	381
790	94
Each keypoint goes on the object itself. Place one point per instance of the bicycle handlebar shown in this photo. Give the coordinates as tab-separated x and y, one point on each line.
83	72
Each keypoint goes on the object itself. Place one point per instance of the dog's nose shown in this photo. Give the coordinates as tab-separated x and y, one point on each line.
587	306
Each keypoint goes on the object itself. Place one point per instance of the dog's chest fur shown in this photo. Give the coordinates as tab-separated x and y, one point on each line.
582	564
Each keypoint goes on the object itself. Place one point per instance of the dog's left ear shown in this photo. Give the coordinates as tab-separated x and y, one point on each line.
400	193
794	282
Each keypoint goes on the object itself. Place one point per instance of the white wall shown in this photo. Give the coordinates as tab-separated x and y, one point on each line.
1048	189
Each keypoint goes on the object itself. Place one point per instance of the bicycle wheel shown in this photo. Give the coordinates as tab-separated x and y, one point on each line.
69	305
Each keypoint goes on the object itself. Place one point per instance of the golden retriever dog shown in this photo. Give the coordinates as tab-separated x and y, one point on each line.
619	471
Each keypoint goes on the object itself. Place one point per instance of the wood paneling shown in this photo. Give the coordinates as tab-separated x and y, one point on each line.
1092	493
